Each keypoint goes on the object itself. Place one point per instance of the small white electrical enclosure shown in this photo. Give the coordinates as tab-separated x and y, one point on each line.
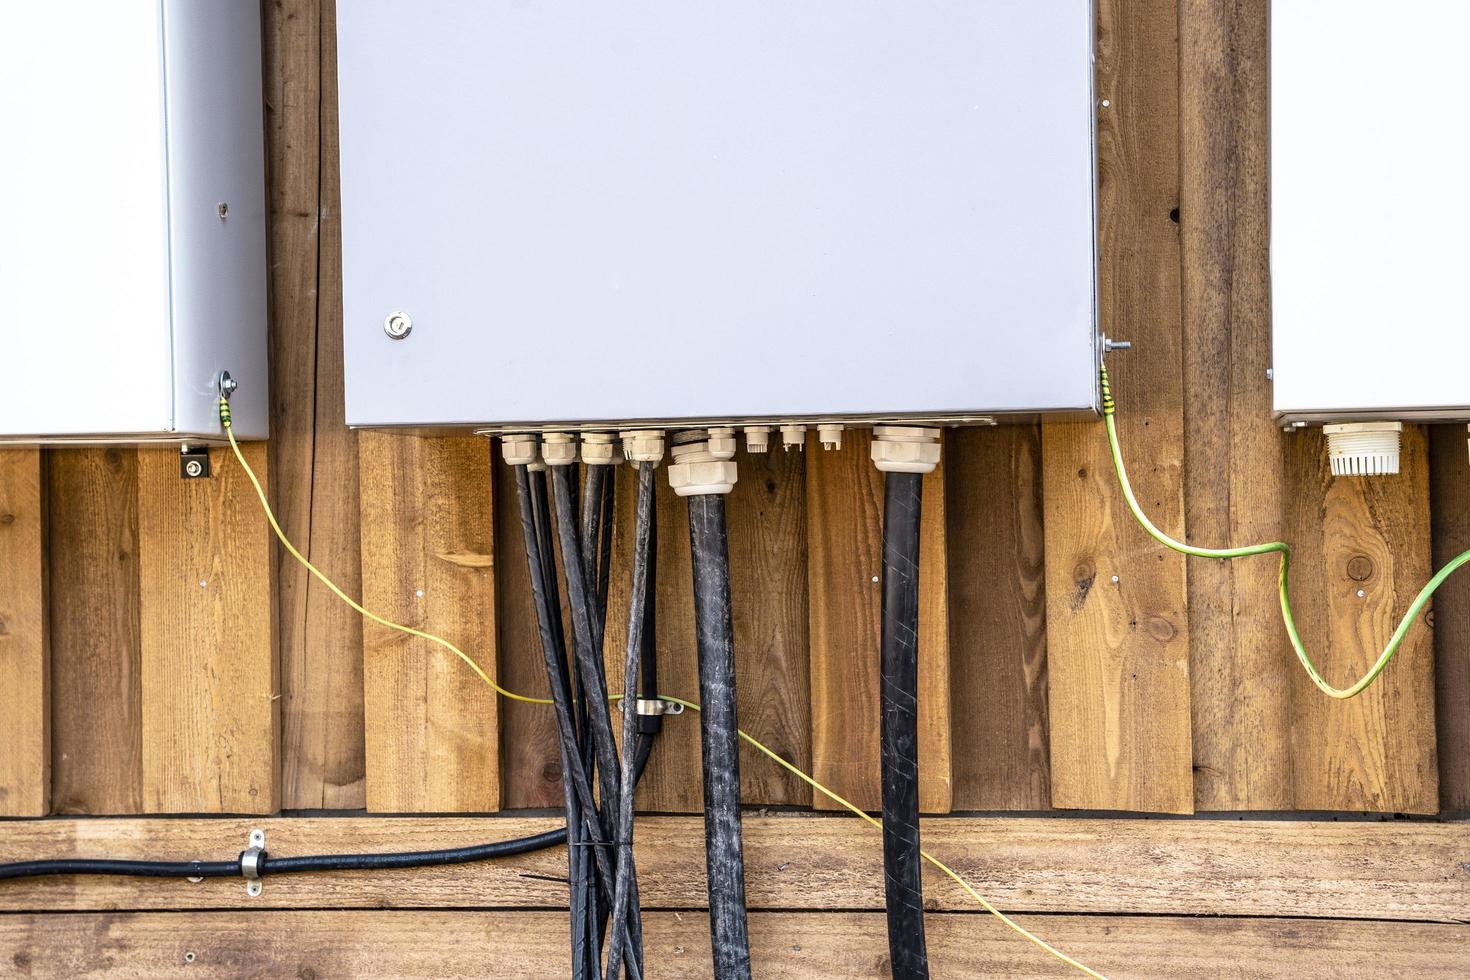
606	213
1370	199
132	220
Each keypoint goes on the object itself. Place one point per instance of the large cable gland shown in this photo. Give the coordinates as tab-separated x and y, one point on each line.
703	463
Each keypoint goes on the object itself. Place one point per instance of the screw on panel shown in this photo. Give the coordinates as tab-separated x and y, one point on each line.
398	325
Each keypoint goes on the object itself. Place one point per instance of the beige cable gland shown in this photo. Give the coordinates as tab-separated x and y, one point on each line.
643	445
1363	448
793	437
905	448
519	449
830	436
722	443
757	438
600	449
696	471
559	448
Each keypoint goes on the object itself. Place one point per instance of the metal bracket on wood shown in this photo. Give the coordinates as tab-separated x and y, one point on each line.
194	462
656	707
250	863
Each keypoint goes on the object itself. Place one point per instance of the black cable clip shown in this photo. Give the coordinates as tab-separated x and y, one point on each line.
250	863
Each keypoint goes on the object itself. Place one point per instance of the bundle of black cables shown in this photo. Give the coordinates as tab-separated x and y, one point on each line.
599	826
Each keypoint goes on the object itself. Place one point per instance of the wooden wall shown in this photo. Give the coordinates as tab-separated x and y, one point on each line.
158	653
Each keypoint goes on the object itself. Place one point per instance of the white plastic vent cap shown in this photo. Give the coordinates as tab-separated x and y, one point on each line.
1364	448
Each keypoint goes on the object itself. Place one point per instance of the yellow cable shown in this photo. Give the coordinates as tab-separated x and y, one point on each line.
281	535
769	753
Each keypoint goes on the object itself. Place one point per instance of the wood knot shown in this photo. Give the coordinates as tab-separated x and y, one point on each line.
7	518
551	772
1360	568
1160	628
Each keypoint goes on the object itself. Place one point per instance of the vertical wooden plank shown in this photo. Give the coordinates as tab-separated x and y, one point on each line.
207	638
671	783
530	753
315	456
92	540
1449	484
432	724
845	566
1360	554
25	686
766	517
1118	648
998	619
1240	660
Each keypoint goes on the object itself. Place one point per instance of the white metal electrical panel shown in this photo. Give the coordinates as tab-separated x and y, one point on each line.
653	210
1370	201
132	219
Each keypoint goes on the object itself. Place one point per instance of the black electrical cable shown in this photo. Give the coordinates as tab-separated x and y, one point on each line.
650	725
719	739
532	495
624	826
139	869
285	865
899	684
586	638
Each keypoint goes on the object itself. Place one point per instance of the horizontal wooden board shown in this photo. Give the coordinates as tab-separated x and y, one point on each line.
846	944
1355	869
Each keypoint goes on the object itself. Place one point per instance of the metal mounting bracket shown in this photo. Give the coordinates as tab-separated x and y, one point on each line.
194	462
250	863
655	707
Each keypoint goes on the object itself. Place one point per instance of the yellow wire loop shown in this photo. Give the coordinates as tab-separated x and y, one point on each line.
769	753
1273	547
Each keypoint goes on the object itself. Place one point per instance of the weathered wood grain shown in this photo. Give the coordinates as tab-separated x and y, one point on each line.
845	570
95	624
1449	493
998	619
25	661
766	517
789	946
1328	869
427	562
1116	605
1240	660
314	459
208	658
1361	553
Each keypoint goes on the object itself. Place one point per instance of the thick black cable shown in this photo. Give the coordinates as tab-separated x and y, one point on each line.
624	827
898	694
586	638
284	865
719	739
536	533
532	499
411	859
103	866
650	725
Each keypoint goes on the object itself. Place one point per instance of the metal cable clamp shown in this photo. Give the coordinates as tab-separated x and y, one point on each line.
250	863
655	707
